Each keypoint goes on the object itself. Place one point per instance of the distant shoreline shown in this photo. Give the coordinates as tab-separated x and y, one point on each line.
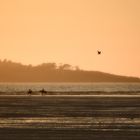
51	72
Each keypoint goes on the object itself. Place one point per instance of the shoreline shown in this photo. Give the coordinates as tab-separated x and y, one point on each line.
66	117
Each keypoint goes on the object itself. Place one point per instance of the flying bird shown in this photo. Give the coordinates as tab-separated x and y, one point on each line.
99	52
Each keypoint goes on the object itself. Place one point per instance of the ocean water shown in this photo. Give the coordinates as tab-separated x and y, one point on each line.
22	88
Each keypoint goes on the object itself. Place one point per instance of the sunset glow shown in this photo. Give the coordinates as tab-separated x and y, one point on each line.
71	31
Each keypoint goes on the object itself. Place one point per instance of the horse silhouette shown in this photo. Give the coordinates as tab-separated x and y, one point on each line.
29	92
43	91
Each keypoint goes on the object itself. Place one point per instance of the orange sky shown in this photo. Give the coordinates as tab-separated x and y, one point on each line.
71	31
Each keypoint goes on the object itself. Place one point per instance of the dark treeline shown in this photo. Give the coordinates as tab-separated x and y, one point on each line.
51	72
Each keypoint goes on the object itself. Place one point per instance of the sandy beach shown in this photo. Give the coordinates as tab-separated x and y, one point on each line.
69	117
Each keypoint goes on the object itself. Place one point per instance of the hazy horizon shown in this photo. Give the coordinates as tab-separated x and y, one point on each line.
71	32
51	65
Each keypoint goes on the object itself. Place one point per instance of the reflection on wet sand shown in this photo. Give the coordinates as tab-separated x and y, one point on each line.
69	117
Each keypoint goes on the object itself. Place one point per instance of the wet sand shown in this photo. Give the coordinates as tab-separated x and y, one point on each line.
69	117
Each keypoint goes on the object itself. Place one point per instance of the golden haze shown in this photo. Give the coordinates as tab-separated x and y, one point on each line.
71	31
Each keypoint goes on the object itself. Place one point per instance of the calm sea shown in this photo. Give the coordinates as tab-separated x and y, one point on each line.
22	88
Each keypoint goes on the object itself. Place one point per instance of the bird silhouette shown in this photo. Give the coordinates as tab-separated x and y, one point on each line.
99	52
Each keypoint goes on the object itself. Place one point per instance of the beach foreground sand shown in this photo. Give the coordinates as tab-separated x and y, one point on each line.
69	117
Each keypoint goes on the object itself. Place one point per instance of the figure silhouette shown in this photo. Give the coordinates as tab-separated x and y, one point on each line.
43	91
29	92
